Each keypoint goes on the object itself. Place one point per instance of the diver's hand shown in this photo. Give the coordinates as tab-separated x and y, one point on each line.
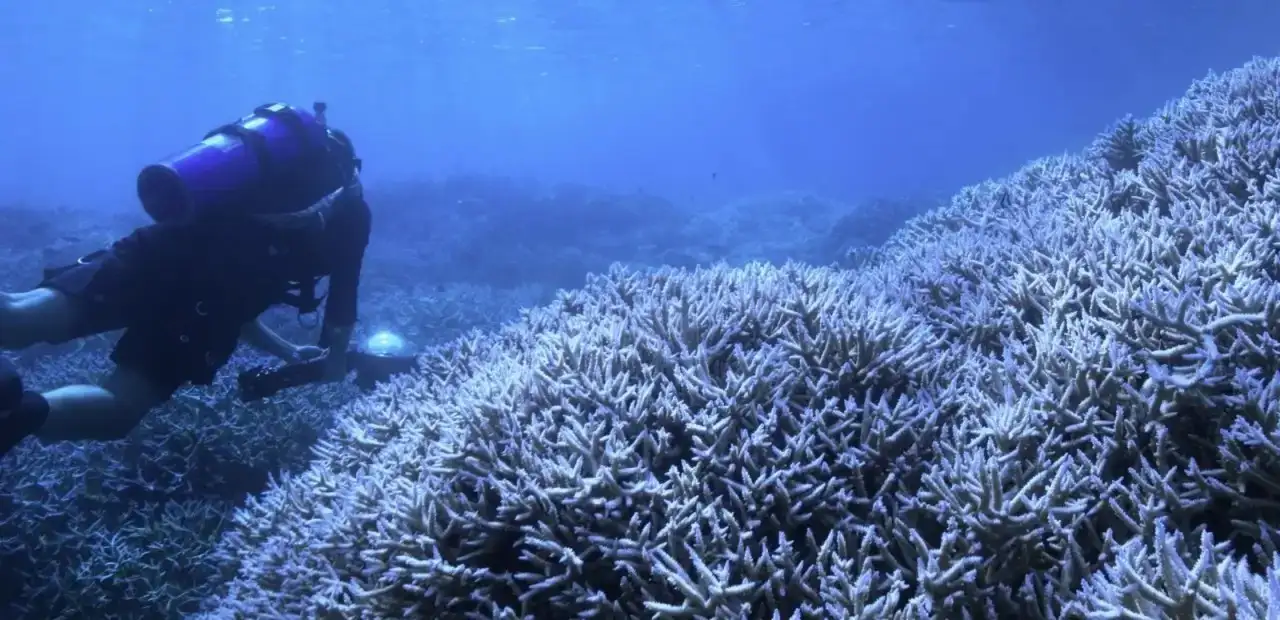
335	366
306	353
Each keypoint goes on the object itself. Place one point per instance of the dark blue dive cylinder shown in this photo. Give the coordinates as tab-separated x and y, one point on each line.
275	160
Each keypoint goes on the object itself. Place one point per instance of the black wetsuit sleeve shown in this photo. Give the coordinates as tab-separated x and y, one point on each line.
344	281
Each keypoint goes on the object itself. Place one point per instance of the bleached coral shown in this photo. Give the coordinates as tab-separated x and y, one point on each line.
1176	580
1054	397
124	529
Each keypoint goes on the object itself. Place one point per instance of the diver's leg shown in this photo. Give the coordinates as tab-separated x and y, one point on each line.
104	412
36	316
97	294
102	294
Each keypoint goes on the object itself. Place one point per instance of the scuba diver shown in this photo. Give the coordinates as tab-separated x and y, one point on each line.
252	217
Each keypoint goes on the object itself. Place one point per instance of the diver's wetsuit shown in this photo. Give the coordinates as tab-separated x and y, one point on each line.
183	292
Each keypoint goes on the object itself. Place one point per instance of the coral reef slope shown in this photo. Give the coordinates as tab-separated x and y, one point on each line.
1058	396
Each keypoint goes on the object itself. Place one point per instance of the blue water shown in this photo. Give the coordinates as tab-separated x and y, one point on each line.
689	131
698	100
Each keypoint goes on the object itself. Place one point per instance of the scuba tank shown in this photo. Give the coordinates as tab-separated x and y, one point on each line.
277	160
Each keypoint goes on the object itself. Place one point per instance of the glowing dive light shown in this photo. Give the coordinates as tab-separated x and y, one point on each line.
386	344
381	356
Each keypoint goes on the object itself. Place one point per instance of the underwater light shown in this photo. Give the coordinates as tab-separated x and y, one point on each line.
386	344
380	357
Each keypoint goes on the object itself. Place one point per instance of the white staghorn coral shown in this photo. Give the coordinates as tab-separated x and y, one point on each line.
124	529
1022	407
1161	577
605	462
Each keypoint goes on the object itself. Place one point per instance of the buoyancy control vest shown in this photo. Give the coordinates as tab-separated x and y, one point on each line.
280	167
